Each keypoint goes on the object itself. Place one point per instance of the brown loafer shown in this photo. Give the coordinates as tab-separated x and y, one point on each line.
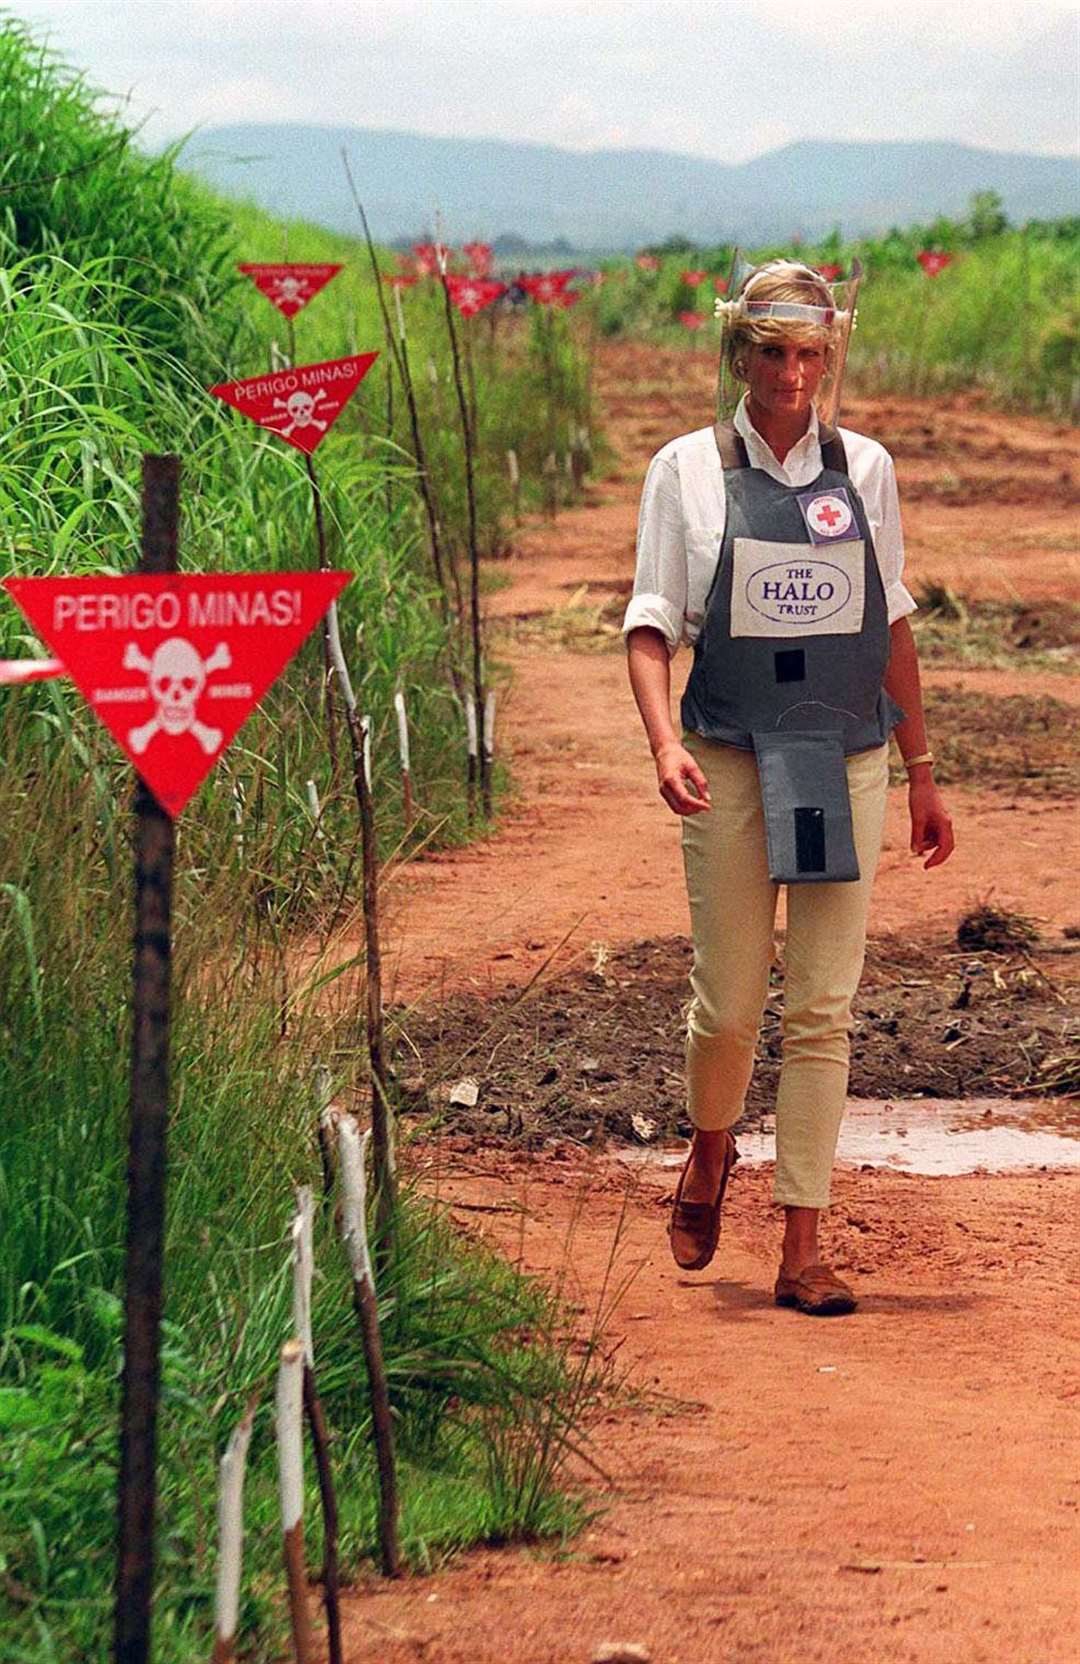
816	1290
694	1227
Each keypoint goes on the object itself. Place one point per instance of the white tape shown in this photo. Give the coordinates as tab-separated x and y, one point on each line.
316	809
337	658
365	728
489	725
351	1148
14	672
470	722
303	1267
288	1422
403	730
231	1527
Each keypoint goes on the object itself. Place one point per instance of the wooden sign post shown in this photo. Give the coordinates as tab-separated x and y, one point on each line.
154	646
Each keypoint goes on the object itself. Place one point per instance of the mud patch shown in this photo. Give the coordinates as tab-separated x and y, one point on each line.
599	1053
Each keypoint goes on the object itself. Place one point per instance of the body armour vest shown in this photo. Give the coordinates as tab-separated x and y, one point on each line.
792	653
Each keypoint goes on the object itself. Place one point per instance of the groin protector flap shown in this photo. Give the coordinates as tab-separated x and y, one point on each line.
804	791
797	589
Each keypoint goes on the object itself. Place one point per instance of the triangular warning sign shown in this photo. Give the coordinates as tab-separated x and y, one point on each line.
290	286
299	405
174	665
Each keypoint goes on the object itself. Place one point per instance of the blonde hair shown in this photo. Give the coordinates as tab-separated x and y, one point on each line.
781	280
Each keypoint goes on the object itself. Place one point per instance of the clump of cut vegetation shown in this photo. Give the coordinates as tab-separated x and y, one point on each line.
996	929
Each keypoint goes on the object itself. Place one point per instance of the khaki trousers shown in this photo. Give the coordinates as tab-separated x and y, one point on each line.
732	912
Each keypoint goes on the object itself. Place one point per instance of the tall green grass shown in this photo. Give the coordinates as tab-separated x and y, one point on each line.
1003	318
118	307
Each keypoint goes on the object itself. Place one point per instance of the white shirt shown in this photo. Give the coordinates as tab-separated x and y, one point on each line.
683	512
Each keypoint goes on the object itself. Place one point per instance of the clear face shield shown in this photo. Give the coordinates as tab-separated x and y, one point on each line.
835	322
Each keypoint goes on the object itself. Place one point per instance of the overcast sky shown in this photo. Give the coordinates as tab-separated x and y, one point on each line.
726	79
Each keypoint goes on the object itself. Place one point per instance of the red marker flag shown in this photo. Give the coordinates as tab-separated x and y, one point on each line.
302	404
480	254
567	297
933	262
544	286
428	255
829	272
399	280
692	279
471	294
289	287
693	320
647	262
720	284
174	665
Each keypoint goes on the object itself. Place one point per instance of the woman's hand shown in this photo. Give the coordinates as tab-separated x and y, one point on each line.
674	768
931	828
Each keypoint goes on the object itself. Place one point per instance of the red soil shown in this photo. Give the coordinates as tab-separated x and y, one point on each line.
894	1486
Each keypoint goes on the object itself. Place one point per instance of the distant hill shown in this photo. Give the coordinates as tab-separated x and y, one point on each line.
607	200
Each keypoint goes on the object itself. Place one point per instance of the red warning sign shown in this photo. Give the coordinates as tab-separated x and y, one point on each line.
174	665
302	404
289	287
933	261
544	287
471	294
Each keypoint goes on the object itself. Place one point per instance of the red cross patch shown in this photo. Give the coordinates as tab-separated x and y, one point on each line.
828	514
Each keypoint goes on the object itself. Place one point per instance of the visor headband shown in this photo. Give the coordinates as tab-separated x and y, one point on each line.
825	316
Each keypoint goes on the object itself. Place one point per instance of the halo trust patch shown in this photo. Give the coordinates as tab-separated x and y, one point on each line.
828	515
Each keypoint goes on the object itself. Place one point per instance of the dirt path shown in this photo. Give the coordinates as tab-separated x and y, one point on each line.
899	1486
589	854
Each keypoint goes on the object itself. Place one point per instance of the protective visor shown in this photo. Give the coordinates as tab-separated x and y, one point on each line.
838	319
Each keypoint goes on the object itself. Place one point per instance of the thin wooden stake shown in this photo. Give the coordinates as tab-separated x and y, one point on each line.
469	444
381	1115
155	846
328	668
514	471
289	1424
303	1269
354	1236
399	353
403	752
231	1536
324	1091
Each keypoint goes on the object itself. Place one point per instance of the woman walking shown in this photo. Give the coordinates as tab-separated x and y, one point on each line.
772	543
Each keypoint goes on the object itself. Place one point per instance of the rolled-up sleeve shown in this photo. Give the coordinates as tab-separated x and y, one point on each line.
659	598
889	545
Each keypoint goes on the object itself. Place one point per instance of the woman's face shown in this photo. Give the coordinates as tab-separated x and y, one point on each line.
783	377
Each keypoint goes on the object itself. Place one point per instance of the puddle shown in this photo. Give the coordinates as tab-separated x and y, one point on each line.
938	1136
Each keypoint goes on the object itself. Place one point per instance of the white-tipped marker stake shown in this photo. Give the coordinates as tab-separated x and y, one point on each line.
403	752
316	809
231	1538
354	1236
360	742
474	751
303	1266
289	1427
514	472
489	749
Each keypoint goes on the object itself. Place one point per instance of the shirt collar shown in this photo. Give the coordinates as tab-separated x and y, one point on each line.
760	452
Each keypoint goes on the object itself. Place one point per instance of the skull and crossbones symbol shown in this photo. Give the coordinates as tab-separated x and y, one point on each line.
299	407
290	290
176	676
